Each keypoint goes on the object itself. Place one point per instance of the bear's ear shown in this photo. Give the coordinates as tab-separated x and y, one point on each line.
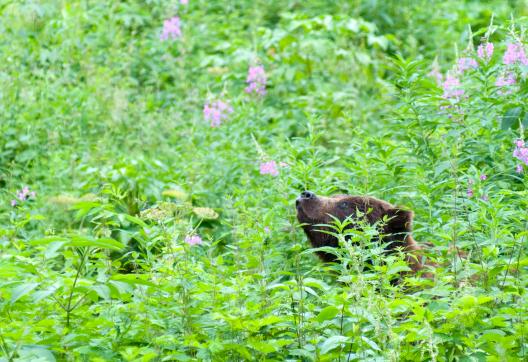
398	221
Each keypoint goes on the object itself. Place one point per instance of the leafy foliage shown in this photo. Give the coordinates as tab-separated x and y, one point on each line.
153	236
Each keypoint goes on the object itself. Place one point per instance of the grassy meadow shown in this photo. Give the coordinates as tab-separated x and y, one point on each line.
152	152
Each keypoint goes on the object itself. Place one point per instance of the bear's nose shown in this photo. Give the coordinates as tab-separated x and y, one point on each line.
307	195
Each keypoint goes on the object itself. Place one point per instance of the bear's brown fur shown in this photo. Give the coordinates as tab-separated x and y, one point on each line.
395	232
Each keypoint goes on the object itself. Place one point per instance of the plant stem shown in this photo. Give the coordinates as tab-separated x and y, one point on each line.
69	307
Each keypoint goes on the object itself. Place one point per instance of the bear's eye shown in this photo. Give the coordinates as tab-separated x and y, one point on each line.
343	205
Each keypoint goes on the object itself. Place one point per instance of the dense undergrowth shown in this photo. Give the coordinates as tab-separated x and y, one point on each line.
151	153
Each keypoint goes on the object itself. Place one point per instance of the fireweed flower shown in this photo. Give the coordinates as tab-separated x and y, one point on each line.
452	88
269	168
483	177
171	29
256	80
521	152
505	80
23	195
193	240
485	51
515	53
466	63
216	112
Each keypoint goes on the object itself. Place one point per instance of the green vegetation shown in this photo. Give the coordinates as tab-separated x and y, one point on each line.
149	171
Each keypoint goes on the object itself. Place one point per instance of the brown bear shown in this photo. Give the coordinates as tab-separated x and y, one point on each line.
396	223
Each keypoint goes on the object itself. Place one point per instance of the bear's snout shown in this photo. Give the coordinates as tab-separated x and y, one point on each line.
307	195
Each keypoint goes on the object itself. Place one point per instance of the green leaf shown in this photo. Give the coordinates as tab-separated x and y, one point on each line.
35	353
102	290
442	166
525	120
327	313
80	241
315	283
243	351
135	220
103	243
42	294
467	301
133	279
398	268
332	343
48	240
371	343
510	118
22	290
262	347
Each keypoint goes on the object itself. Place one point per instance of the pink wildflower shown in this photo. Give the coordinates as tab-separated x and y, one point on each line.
216	112
193	240
451	87
184	2
484	198
518	169
469	192
269	168
267	229
485	51
256	80
521	152
506	80
171	29
483	177
515	53
23	195
466	63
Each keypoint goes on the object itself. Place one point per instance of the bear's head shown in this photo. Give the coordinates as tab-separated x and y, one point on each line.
313	210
